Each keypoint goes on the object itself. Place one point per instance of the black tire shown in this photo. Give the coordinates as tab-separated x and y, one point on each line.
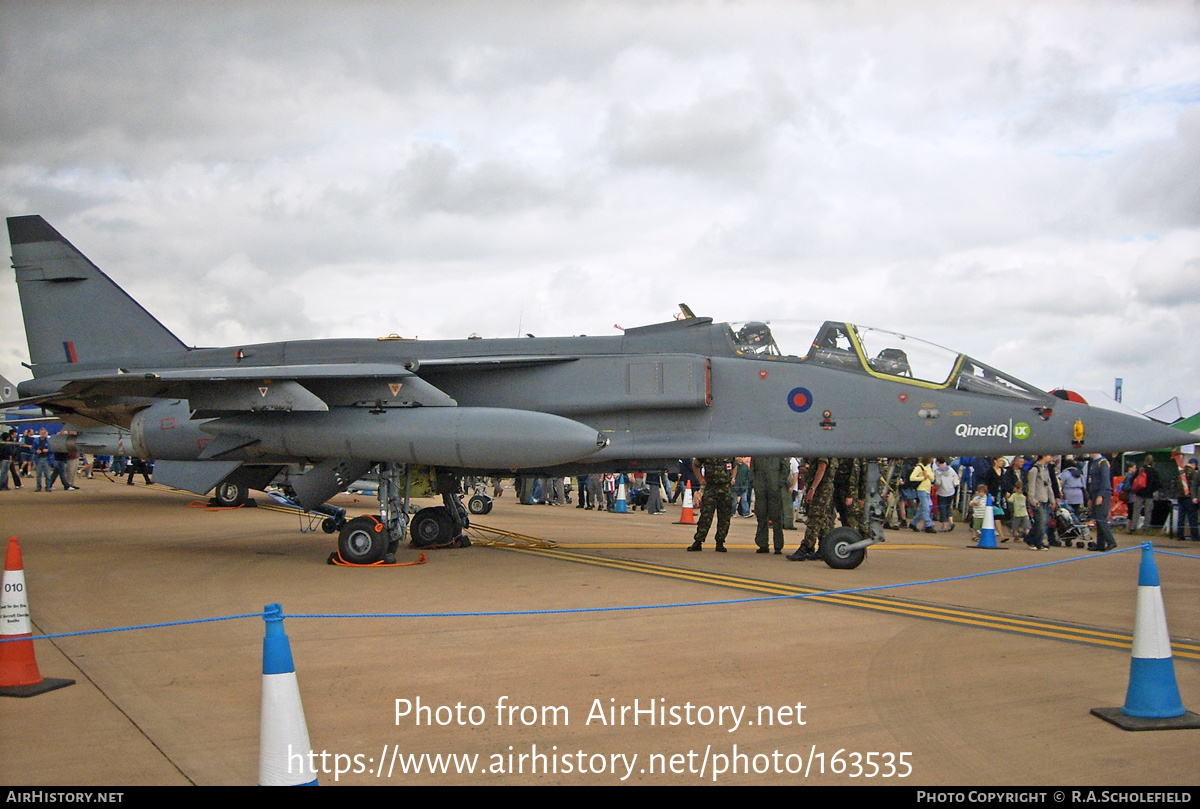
490	504
834	553
231	495
329	525
479	504
431	526
360	544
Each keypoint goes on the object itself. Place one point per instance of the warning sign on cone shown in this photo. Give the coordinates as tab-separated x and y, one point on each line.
19	676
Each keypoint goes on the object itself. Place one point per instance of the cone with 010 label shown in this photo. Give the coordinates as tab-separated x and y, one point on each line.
1152	701
284	752
19	676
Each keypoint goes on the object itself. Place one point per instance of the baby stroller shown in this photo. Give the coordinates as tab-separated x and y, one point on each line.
638	498
1071	530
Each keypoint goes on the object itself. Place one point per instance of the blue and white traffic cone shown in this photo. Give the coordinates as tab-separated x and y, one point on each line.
987	534
1152	701
284	758
622	506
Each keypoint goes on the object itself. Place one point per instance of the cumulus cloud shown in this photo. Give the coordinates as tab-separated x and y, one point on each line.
1158	186
240	303
723	136
1166	275
435	180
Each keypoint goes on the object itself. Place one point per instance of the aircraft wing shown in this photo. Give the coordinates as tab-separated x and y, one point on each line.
114	397
494	362
162	383
314	387
133	382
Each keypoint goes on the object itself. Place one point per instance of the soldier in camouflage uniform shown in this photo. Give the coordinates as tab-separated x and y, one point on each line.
819	498
717	476
850	493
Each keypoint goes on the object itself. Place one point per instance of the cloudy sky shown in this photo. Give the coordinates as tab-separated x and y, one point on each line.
1020	181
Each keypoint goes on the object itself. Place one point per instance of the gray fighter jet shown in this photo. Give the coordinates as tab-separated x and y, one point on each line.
231	418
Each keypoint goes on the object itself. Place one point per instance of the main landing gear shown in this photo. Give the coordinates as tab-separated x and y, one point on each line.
370	539
231	495
441	526
479	504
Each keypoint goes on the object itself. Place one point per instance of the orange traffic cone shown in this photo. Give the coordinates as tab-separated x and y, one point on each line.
19	676
688	517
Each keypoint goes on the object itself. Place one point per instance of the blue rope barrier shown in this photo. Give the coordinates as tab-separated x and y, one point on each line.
139	626
625	608
1176	553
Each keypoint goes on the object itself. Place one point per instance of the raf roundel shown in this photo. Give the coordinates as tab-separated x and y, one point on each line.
800	399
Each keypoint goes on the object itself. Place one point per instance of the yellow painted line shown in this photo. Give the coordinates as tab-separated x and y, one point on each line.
959	616
651	546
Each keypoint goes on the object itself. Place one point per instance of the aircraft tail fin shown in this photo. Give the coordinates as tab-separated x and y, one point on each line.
73	311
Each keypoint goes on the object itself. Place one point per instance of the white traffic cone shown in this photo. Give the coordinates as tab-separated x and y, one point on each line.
284	752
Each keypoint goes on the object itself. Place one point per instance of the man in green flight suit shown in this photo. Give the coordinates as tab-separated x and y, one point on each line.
716	474
770	476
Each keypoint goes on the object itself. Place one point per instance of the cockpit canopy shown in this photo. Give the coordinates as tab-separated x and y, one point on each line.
882	354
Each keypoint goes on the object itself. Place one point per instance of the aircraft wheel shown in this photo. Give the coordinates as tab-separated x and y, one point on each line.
479	504
431	526
231	495
329	525
360	543
490	504
833	549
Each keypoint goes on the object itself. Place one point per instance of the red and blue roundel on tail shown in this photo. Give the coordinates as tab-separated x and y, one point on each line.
800	399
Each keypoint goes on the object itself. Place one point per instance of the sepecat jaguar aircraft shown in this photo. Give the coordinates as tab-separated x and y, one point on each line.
234	418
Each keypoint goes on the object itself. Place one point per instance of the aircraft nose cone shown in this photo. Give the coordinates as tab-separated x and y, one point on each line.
1106	431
